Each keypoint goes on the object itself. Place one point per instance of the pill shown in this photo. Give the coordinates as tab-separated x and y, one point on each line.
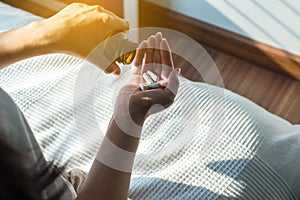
147	78
152	75
153	85
149	86
143	87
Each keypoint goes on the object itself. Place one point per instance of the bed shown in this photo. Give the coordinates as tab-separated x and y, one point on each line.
210	144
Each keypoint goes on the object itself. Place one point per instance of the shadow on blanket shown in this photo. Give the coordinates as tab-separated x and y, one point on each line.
155	188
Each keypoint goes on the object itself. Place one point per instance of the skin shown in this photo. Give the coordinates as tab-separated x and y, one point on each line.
108	182
75	30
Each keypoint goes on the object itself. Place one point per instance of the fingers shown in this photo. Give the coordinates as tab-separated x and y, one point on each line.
149	54
113	68
117	23
138	60
173	82
157	57
153	57
165	52
122	24
158	39
150	50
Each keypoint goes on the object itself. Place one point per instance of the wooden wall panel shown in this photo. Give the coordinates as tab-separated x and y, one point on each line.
115	6
255	52
243	64
31	7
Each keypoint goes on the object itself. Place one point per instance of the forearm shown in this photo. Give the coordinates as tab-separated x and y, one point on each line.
109	177
22	43
75	30
111	181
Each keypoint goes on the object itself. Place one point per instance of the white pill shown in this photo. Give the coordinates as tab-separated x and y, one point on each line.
153	76
142	86
153	86
147	78
150	86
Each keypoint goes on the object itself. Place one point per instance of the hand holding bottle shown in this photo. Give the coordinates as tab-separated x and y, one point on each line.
79	28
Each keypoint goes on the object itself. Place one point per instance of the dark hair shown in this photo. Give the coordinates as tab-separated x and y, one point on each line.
16	181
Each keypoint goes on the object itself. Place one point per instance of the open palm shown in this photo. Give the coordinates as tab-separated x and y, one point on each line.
154	55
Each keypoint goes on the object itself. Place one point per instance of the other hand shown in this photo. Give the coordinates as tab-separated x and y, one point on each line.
79	28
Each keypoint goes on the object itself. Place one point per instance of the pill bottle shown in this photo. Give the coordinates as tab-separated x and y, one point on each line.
119	48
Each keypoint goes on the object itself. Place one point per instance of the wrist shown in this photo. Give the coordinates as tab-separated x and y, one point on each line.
121	138
41	41
130	124
138	117
22	43
137	114
31	40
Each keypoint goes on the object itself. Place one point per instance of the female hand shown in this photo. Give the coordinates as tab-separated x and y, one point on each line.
154	55
115	157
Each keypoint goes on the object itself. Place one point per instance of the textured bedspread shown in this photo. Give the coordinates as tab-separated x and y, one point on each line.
210	144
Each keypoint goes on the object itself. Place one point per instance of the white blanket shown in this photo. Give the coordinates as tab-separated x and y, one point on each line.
210	144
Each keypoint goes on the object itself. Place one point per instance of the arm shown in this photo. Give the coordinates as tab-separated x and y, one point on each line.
109	177
22	43
107	182
75	30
